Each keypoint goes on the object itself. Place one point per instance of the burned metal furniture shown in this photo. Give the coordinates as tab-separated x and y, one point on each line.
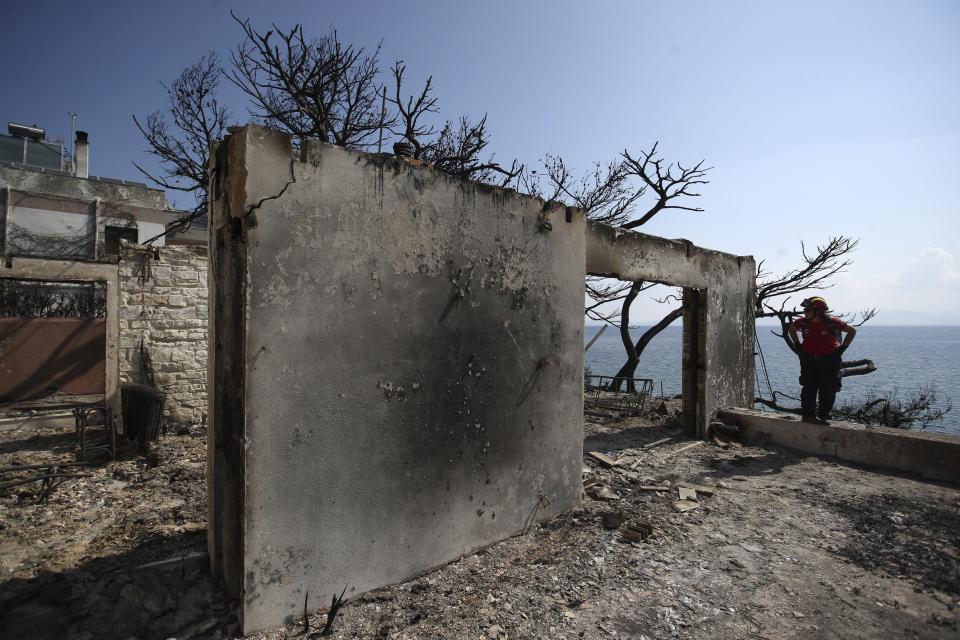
142	413
602	401
49	474
81	416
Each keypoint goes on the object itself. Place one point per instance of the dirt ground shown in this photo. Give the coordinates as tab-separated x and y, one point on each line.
777	545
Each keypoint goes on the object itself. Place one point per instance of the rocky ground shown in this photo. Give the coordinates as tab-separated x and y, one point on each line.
773	545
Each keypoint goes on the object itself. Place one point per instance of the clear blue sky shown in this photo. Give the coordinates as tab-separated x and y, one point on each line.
820	118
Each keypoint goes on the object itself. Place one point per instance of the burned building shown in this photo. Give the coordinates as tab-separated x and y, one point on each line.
396	363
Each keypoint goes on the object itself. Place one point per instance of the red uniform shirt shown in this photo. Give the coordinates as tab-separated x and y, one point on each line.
820	338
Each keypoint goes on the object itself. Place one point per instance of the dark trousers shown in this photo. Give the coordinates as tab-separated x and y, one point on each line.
819	376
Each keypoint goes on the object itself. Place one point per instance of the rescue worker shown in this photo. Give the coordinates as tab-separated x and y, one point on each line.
820	357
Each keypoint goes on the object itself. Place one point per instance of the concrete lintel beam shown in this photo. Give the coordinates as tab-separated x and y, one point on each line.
728	283
629	255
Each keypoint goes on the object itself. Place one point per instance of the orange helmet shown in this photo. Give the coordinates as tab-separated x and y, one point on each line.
817	303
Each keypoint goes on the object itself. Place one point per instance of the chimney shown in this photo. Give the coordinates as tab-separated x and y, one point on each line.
81	152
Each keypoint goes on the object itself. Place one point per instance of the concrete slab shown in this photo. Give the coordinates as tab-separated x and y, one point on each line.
397	370
935	456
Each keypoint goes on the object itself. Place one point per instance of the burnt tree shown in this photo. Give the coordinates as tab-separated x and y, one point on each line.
316	88
320	88
458	147
180	135
611	193
816	272
326	89
605	194
669	183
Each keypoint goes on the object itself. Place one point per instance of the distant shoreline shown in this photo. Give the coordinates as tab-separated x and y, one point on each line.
909	358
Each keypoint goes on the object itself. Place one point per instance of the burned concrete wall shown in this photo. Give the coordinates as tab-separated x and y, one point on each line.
719	291
396	367
163	304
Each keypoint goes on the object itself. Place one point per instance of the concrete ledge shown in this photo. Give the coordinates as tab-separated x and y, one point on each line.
934	456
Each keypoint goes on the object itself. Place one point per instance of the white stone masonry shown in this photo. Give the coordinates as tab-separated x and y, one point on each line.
163	301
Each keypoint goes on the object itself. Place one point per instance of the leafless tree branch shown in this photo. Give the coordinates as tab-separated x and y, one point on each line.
673	297
610	193
180	135
628	370
667	182
411	110
312	88
816	271
605	194
457	148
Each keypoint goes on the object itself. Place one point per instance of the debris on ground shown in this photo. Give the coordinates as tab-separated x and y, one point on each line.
682	506
637	532
781	545
118	549
604	459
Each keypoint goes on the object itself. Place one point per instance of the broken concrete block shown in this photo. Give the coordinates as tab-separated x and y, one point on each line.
682	506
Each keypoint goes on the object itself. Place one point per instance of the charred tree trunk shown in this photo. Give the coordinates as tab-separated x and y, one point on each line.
625	335
629	368
857	368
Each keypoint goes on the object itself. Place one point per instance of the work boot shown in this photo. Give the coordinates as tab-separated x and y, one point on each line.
810	419
823	421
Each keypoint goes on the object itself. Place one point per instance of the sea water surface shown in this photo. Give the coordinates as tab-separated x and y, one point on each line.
907	359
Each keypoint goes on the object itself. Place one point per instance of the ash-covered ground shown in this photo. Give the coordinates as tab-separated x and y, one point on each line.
775	545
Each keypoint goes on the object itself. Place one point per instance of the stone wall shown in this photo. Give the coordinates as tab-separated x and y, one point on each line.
163	301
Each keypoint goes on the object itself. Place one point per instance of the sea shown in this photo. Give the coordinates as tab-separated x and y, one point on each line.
907	359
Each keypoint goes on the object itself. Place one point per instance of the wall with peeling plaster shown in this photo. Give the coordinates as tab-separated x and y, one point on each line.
396	369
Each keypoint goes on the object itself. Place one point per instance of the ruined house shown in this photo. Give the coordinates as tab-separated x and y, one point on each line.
396	363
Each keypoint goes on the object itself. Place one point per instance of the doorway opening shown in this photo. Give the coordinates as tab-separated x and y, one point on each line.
669	362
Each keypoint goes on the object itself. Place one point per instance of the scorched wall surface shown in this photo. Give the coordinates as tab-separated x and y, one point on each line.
413	368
